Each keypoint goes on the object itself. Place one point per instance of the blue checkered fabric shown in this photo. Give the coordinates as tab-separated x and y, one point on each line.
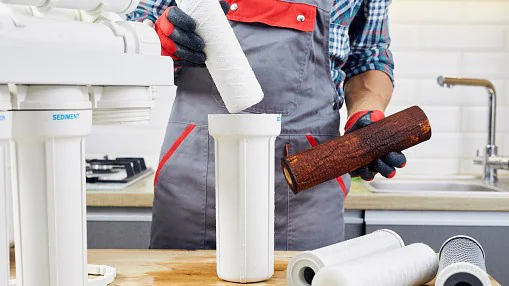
359	36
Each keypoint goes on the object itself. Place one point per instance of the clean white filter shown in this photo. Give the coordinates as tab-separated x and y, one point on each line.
244	158
412	265
303	266
49	201
462	260
226	62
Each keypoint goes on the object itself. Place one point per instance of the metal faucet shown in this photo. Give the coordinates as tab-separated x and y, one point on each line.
491	160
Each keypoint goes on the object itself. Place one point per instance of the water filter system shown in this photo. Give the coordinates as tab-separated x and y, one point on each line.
244	152
64	73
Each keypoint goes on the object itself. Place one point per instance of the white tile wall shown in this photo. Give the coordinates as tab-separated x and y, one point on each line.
429	38
487	12
463	37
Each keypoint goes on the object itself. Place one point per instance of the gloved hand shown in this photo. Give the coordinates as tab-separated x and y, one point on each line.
385	165
176	32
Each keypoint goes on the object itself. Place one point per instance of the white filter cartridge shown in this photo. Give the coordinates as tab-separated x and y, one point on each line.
226	62
303	266
412	265
244	158
462	262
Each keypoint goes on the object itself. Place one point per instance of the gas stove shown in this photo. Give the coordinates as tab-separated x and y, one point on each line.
115	174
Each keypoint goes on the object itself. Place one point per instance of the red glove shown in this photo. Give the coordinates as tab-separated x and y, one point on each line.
176	32
385	165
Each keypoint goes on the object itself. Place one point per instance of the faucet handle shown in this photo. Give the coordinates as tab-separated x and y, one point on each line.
478	160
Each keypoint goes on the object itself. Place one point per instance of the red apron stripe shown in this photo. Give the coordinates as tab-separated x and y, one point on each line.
313	143
173	148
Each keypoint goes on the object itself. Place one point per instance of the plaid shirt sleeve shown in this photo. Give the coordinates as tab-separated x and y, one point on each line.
370	40
150	10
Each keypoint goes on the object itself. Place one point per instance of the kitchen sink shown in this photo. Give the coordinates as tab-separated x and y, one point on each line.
434	186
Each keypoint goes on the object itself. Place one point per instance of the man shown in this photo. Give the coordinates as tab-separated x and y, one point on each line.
310	56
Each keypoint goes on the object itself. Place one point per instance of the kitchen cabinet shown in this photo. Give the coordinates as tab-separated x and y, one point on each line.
118	228
491	229
129	228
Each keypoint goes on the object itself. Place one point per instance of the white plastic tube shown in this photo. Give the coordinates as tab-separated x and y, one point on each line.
5	188
412	265
303	266
116	6
244	158
50	208
45	35
226	62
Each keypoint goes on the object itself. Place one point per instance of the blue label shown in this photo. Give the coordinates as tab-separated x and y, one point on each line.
3	117
66	116
279	119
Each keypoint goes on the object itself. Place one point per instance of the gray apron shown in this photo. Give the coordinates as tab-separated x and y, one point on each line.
293	69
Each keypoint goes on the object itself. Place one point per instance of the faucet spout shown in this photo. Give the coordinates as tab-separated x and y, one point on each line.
491	148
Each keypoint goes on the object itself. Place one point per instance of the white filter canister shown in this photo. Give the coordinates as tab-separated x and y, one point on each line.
5	182
244	158
5	189
50	194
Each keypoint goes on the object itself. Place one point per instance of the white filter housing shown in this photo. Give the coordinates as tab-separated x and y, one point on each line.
51	246
244	154
5	186
4	204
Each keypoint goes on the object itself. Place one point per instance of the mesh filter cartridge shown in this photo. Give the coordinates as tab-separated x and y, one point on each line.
462	262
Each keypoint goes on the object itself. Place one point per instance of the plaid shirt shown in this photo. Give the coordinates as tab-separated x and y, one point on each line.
358	36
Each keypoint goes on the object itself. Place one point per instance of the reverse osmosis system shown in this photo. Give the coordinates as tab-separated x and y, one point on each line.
65	65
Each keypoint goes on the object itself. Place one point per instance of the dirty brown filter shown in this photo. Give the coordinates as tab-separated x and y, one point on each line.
347	153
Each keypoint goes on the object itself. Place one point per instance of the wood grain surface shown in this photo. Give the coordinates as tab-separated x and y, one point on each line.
347	153
176	267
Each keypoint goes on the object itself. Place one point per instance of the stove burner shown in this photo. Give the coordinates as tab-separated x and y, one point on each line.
119	170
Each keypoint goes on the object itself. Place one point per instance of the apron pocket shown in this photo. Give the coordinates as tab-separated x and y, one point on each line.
179	211
173	149
341	182
316	216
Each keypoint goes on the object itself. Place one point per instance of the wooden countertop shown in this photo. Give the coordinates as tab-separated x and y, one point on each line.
171	267
359	198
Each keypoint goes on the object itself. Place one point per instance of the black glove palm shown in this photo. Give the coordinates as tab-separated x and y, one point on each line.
385	165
